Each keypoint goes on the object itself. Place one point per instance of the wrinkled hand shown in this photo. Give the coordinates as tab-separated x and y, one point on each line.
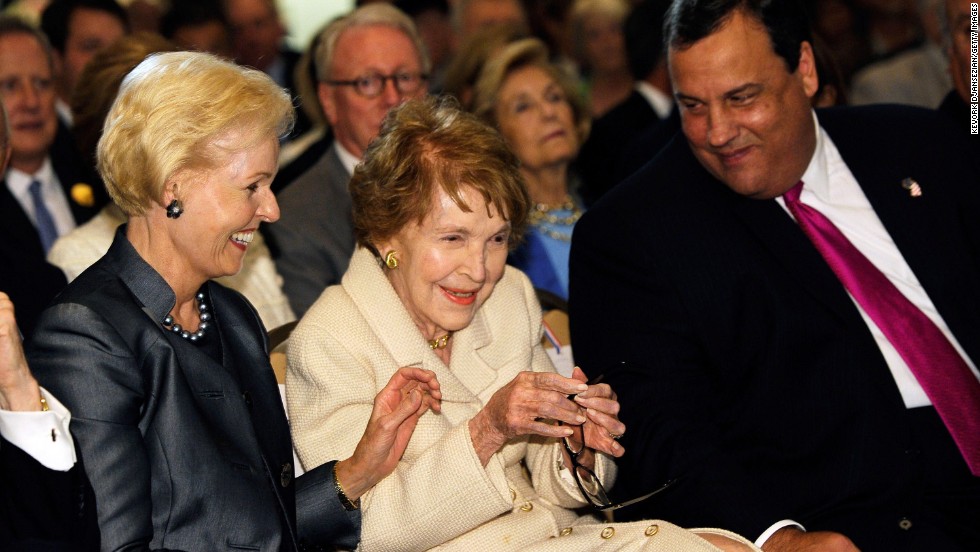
18	388
602	419
526	406
409	393
792	539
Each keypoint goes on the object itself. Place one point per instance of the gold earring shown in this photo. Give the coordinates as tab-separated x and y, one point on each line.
391	261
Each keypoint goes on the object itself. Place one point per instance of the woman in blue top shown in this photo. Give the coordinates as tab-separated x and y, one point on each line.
539	113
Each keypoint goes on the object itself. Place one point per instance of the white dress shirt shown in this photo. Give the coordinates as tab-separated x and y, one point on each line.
42	435
661	103
829	187
19	182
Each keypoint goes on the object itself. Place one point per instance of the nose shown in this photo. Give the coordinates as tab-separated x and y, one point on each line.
390	93
721	129
548	109
30	96
476	264
268	207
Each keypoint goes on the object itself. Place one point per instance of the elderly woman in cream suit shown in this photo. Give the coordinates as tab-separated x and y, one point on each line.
438	202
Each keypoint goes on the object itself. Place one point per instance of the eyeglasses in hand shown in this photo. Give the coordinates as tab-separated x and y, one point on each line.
373	84
588	482
593	491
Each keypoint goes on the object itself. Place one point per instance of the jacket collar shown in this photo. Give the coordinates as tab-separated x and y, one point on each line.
374	296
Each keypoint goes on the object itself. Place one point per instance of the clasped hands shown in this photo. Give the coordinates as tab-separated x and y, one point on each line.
533	401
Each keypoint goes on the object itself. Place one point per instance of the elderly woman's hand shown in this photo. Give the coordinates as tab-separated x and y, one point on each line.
18	388
602	426
397	409
527	405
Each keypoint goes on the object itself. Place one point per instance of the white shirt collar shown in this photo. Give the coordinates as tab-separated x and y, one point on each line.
18	181
347	159
661	103
815	178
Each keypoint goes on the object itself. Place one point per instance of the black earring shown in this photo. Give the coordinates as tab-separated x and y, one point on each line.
174	209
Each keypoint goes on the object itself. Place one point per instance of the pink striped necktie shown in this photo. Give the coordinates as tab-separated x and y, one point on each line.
943	374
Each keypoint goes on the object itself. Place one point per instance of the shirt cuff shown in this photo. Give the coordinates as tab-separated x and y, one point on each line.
776	527
42	435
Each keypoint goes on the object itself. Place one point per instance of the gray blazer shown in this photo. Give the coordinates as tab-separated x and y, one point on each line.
182	452
314	238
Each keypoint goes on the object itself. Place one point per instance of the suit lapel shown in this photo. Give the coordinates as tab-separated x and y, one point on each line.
372	293
783	239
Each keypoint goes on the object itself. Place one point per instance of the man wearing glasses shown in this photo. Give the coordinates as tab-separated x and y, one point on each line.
367	62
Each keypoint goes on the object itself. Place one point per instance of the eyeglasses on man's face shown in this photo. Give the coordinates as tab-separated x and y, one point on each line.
373	84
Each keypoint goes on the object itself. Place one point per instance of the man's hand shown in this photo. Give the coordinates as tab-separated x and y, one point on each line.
18	388
791	539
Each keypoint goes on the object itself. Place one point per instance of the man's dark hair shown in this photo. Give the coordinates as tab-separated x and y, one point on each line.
643	34
57	16
688	21
192	14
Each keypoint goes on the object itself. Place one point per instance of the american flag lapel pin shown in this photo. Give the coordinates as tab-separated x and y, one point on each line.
912	186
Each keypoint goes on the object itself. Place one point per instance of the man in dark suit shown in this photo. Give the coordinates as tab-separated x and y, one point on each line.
751	375
601	160
39	153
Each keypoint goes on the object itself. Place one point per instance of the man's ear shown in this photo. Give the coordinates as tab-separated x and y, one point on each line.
806	70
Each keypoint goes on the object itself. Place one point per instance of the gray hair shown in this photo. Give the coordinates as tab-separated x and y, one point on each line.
379	13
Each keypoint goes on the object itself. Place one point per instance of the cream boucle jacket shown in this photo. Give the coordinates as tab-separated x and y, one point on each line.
342	354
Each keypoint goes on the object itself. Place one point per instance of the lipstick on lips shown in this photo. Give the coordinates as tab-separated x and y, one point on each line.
458	296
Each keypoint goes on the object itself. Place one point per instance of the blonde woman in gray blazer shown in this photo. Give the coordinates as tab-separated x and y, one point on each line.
438	202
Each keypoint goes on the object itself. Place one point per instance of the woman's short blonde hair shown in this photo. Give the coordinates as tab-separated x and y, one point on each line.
529	52
170	110
426	143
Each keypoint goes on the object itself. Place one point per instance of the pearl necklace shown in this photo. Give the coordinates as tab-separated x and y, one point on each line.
440	342
193	337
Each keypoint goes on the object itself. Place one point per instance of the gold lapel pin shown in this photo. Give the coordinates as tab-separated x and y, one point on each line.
912	186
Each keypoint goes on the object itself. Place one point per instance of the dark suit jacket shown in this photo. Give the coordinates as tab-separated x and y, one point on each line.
44	510
183	452
314	238
751	376
611	135
24	274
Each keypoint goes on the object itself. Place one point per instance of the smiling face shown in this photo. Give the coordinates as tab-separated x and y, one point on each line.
361	51
27	90
536	119
223	206
746	118
449	264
